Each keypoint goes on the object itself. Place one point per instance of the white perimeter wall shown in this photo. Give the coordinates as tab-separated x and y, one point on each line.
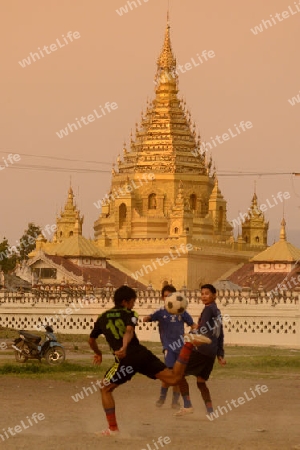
249	318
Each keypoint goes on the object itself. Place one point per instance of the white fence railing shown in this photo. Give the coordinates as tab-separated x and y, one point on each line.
250	318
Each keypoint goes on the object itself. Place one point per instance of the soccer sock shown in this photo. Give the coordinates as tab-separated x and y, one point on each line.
111	418
185	353
163	393
185	393
205	395
175	398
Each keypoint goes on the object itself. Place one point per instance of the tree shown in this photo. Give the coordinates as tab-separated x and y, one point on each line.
27	241
8	256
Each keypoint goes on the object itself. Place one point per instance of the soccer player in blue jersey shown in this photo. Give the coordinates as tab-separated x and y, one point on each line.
117	325
171	330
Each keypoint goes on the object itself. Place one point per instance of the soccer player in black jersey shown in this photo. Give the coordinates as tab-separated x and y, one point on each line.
117	325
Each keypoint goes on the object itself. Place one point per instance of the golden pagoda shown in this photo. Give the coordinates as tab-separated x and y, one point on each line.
278	257
68	240
275	269
164	201
69	223
254	227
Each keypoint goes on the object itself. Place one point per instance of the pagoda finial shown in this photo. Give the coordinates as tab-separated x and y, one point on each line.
166	60
254	200
283	231
70	201
168	13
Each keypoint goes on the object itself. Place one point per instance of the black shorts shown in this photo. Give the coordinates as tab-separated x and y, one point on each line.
139	359
200	365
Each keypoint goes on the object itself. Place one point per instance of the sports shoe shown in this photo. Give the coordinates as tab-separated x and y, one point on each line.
196	339
108	432
160	402
184	411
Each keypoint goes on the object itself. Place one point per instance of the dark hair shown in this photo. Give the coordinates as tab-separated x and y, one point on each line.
168	287
212	289
124	293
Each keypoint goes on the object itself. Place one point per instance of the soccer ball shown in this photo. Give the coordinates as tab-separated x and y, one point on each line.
176	303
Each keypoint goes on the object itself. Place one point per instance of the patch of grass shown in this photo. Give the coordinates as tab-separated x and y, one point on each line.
65	371
8	333
259	362
242	361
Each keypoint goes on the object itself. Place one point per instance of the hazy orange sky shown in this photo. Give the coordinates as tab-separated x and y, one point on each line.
251	78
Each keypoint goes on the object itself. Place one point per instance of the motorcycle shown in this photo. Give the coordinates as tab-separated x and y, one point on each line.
29	346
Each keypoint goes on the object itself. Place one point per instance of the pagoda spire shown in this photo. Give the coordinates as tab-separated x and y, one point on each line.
165	139
167	60
254	206
70	200
283	230
216	193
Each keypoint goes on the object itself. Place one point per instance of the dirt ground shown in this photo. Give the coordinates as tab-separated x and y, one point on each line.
270	421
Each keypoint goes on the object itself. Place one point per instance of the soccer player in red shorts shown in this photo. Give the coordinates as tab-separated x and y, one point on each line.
117	325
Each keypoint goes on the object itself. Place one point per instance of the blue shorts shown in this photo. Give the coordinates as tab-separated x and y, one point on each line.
170	357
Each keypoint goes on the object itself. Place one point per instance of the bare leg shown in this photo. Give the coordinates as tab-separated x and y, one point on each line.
173	376
175	397
185	392
201	384
108	403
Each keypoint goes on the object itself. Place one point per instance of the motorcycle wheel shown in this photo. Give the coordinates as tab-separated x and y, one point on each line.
55	356
20	357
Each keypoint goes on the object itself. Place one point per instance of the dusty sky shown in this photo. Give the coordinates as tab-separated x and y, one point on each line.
114	58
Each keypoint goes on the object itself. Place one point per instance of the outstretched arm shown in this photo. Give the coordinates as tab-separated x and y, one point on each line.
147	319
